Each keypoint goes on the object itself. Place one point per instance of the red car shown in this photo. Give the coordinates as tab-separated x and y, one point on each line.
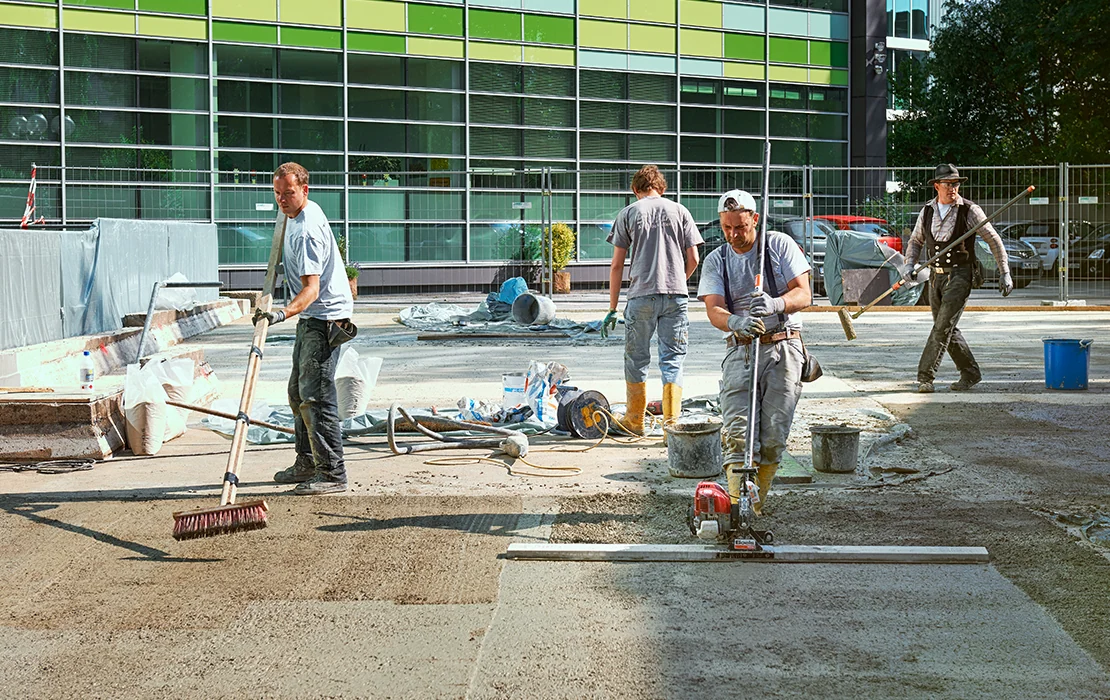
866	224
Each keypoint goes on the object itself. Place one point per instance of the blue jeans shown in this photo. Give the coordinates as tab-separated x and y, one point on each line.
642	317
314	401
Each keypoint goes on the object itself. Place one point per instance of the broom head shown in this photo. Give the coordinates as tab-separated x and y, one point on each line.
222	520
846	321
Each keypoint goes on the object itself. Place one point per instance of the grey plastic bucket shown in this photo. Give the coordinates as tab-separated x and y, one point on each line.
531	309
694	447
835	448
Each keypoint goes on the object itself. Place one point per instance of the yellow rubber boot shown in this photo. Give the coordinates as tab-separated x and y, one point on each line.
633	418
735	483
765	474
672	406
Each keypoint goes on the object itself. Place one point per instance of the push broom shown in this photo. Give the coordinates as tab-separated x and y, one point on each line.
230	516
846	317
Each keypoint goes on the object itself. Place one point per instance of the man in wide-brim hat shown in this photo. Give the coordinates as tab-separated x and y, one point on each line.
946	172
944	219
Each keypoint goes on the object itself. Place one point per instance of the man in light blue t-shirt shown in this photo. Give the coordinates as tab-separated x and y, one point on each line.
772	317
317	278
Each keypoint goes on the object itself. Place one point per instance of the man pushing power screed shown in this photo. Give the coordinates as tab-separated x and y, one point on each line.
727	279
661	238
945	218
315	274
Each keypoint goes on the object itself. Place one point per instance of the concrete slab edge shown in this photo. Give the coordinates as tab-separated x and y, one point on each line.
810	554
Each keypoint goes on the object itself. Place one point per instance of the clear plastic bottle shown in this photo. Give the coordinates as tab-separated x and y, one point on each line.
87	371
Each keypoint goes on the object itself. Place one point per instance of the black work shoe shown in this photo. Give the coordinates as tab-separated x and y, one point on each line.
303	469
319	485
964	384
924	387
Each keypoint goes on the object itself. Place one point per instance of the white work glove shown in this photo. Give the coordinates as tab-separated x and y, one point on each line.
1006	284
763	305
746	326
911	278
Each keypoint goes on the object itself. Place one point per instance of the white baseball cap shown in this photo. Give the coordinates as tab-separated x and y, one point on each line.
742	200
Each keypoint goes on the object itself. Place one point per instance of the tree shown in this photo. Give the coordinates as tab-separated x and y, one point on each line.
1008	82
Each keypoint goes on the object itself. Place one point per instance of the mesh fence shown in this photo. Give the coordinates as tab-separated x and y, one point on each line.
450	229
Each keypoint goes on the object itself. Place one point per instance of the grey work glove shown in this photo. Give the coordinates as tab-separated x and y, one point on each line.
608	323
746	326
907	271
271	316
1006	284
763	305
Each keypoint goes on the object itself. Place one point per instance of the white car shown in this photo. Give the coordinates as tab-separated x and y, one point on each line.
1044	236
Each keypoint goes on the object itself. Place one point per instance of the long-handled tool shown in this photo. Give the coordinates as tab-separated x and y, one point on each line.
846	317
230	516
228	416
730	517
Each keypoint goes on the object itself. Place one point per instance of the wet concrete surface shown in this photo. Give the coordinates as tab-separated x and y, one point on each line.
396	589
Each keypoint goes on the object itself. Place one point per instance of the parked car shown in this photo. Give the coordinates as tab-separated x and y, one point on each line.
1044	236
887	234
795	227
1025	265
1090	256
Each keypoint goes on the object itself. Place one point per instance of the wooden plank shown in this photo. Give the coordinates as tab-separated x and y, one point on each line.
810	554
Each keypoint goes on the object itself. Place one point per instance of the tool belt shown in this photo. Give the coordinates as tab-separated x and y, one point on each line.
733	340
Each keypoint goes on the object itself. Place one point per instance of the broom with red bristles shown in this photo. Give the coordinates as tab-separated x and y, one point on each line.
230	516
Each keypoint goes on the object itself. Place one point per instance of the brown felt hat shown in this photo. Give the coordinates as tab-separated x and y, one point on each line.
946	171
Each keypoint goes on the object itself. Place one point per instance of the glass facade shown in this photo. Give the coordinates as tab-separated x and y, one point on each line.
422	123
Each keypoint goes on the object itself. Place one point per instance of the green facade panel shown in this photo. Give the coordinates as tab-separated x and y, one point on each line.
544	29
832	54
788	50
181	7
244	33
311	38
435	19
744	47
488	24
113	4
378	43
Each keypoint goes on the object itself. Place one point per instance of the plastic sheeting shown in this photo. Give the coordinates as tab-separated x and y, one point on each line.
450	318
61	284
29	292
110	270
852	250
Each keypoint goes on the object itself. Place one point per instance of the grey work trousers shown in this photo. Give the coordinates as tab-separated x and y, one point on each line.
665	316
779	386
948	294
313	398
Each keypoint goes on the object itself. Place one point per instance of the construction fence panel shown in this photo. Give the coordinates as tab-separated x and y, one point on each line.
435	230
111	270
30	289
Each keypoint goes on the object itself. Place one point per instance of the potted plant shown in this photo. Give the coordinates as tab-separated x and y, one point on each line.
352	269
563	249
380	171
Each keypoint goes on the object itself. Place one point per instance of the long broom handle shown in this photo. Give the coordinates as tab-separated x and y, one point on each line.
254	362
228	416
753	389
898	285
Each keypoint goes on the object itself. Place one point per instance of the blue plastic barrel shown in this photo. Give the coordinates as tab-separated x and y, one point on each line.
1066	363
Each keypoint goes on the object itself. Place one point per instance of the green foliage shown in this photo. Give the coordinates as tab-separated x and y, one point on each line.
352	269
899	209
1008	82
563	244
